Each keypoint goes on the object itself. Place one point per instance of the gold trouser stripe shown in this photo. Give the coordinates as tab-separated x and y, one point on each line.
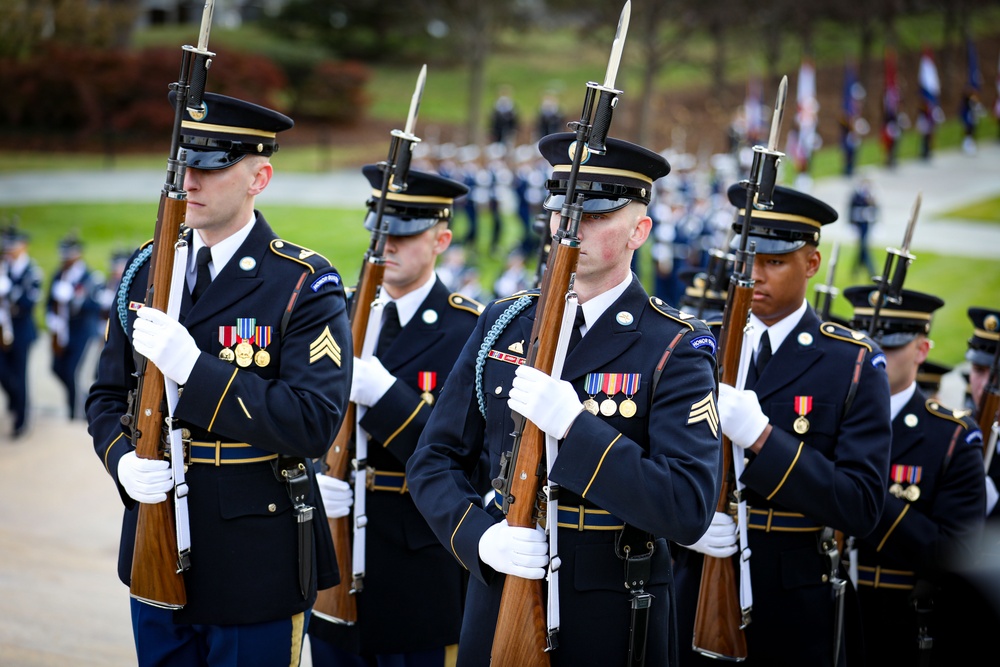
298	637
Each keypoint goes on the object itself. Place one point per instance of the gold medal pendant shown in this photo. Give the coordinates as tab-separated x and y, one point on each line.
609	407
801	425
896	490
627	408
227	355
428	397
244	354
590	405
262	358
912	492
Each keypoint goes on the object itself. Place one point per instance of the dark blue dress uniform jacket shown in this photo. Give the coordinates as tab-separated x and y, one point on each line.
923	536
244	543
657	470
833	475
406	569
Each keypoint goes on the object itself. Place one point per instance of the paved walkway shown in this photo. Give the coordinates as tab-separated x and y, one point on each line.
60	599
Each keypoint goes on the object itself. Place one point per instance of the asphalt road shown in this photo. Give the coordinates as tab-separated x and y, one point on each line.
60	600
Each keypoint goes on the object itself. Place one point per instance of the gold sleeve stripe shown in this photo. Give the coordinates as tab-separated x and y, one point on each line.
420	406
245	411
106	451
906	508
454	532
599	464
298	630
787	472
222	398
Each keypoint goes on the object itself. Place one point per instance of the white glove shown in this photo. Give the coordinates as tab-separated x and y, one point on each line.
740	415
62	291
5	284
164	341
55	324
523	552
551	404
370	381
720	539
991	495
145	480
338	496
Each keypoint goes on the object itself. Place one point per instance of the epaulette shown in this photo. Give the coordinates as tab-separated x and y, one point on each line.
518	295
313	260
840	332
663	308
938	410
462	302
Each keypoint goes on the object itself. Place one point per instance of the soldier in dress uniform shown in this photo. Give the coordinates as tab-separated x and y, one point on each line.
72	315
981	355
645	461
814	423
20	290
406	569
929	377
260	353
934	504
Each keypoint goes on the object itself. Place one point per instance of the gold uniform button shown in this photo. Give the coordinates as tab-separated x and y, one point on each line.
272	507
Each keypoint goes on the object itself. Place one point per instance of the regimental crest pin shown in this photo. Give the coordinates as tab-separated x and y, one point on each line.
517	348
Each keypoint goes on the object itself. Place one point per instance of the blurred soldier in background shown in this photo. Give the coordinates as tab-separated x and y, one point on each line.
20	290
72	315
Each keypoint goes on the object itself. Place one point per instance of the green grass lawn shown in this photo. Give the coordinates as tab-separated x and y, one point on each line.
339	235
987	210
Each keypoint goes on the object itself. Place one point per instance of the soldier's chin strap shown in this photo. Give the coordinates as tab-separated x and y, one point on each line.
174	439
551	489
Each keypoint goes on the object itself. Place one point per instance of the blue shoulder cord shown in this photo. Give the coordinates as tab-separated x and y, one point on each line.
505	318
126	283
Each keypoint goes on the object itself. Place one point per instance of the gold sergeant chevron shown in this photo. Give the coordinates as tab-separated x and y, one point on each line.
324	346
704	411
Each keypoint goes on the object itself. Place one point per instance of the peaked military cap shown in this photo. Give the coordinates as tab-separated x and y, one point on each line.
12	235
427	200
70	245
625	173
227	129
794	221
929	375
899	322
696	287
985	336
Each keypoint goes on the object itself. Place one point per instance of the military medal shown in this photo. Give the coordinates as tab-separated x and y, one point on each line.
263	357
245	331
631	385
227	337
911	475
592	385
610	384
427	380
803	406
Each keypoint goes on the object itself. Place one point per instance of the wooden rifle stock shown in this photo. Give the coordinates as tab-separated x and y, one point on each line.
520	639
718	618
337	603
156	576
989	405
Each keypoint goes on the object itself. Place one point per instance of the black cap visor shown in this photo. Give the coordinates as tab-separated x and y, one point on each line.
404	225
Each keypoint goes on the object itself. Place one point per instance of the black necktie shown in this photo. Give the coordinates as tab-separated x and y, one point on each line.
390	329
204	278
575	336
764	354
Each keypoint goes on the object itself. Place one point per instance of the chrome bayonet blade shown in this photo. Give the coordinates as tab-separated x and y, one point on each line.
206	25
616	48
912	223
779	112
418	92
